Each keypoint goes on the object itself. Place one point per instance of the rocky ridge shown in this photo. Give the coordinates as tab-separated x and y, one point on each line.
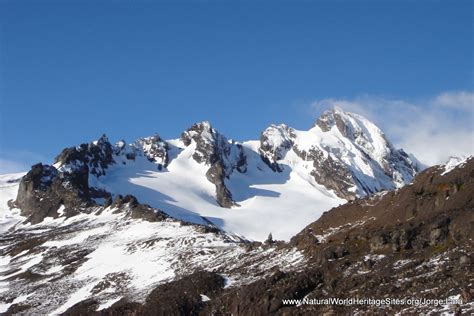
343	152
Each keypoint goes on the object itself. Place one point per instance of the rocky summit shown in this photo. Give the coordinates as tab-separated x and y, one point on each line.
213	226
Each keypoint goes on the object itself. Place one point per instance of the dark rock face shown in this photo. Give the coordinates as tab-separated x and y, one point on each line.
432	210
329	172
216	175
97	156
137	210
222	156
183	297
186	296
264	297
44	189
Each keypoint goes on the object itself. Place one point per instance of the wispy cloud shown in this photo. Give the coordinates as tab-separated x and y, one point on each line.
432	129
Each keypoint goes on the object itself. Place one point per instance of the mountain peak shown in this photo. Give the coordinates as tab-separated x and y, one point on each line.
345	152
349	124
102	140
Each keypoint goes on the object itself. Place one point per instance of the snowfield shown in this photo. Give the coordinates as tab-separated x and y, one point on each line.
280	203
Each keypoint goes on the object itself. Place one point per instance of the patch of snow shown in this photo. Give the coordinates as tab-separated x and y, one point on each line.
27	263
374	257
4	306
228	282
108	303
454	162
61	210
400	263
78	296
205	298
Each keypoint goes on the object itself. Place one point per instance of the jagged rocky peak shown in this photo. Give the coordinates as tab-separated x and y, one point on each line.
44	189
334	117
223	157
97	156
155	149
212	147
275	142
210	144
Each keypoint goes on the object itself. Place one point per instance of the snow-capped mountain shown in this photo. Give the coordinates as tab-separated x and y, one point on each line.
126	226
344	152
285	180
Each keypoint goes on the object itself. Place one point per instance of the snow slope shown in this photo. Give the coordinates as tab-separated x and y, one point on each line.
280	203
8	191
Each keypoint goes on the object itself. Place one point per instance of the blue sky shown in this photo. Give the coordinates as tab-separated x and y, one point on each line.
70	70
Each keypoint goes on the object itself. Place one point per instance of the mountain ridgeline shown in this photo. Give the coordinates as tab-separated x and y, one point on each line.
343	153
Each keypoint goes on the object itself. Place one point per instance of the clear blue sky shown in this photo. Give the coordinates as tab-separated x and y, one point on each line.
70	71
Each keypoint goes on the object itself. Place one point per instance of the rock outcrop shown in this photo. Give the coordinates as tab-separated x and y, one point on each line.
44	189
155	149
222	156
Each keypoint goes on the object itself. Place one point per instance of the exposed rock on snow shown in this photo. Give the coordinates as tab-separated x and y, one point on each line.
222	156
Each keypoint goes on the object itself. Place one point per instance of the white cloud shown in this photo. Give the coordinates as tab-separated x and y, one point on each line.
432	129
